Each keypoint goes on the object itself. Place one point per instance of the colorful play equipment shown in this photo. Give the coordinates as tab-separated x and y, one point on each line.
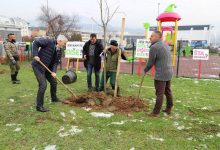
170	16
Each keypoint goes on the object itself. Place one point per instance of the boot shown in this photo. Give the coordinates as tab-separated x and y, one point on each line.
168	111
16	73
13	79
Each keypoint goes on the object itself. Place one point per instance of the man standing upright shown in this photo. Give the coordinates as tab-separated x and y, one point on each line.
92	60
13	56
45	50
160	57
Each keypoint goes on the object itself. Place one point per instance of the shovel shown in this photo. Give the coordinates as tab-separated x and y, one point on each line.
142	80
57	78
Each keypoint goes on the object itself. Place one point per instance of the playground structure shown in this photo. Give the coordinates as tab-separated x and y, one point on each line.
170	16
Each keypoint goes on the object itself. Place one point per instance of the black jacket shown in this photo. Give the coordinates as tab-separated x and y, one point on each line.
98	50
45	49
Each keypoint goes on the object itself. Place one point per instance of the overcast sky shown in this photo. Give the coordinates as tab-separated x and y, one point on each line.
137	11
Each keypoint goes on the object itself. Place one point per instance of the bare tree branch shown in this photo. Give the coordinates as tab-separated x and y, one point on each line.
57	23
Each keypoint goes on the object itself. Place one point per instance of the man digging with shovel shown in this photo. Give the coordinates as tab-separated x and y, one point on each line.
112	55
160	57
45	52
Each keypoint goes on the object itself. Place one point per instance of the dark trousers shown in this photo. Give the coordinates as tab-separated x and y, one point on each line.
89	69
112	76
163	87
42	81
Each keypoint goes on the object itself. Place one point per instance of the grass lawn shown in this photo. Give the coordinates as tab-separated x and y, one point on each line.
194	124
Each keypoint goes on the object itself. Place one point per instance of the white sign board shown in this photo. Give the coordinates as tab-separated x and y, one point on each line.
200	54
74	49
142	48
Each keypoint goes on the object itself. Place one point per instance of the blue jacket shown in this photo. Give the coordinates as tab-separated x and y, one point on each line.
45	49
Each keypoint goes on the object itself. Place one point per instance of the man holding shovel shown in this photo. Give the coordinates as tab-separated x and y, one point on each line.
45	51
160	57
112	55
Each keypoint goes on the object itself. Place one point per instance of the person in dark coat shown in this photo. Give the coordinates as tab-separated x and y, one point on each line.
46	51
92	60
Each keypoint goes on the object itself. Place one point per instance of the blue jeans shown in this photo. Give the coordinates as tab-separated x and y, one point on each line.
89	77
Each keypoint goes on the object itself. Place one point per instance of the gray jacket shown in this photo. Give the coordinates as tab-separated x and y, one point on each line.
160	57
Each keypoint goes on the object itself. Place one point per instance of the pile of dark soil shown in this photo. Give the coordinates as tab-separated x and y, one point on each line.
100	101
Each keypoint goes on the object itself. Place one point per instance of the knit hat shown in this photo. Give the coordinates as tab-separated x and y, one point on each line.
114	43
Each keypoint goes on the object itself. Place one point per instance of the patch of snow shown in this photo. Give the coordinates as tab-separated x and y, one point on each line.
190	138
101	114
17	130
61	129
204	108
86	108
10	124
118	132
72	131
119	123
134	85
155	138
196	81
136	120
73	112
50	147
11	100
180	127
62	114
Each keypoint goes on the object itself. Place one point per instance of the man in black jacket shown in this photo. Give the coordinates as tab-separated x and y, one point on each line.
46	51
91	54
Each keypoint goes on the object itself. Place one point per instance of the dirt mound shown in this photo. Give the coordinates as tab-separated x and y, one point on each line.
3	71
100	101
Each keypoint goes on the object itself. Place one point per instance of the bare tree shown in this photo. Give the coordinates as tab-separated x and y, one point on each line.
57	23
106	15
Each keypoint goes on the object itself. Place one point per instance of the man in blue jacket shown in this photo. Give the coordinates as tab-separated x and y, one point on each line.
46	50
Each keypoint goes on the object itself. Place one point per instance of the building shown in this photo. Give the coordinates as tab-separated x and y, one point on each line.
193	34
17	26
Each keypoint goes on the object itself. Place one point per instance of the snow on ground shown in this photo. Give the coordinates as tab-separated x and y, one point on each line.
17	130
155	138
86	108
73	130
63	114
50	147
11	100
101	114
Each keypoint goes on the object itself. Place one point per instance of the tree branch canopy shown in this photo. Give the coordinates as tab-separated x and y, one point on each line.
58	23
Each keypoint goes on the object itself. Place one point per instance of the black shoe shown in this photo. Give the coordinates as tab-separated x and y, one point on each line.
15	82
16	74
42	109
56	100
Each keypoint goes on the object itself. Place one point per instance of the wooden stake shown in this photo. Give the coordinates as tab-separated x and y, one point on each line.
119	57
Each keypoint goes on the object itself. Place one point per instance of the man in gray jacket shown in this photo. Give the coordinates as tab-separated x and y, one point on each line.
160	57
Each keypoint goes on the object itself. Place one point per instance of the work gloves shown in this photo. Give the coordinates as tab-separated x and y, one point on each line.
13	62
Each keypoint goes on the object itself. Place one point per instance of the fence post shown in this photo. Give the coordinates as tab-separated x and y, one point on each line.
178	61
132	69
